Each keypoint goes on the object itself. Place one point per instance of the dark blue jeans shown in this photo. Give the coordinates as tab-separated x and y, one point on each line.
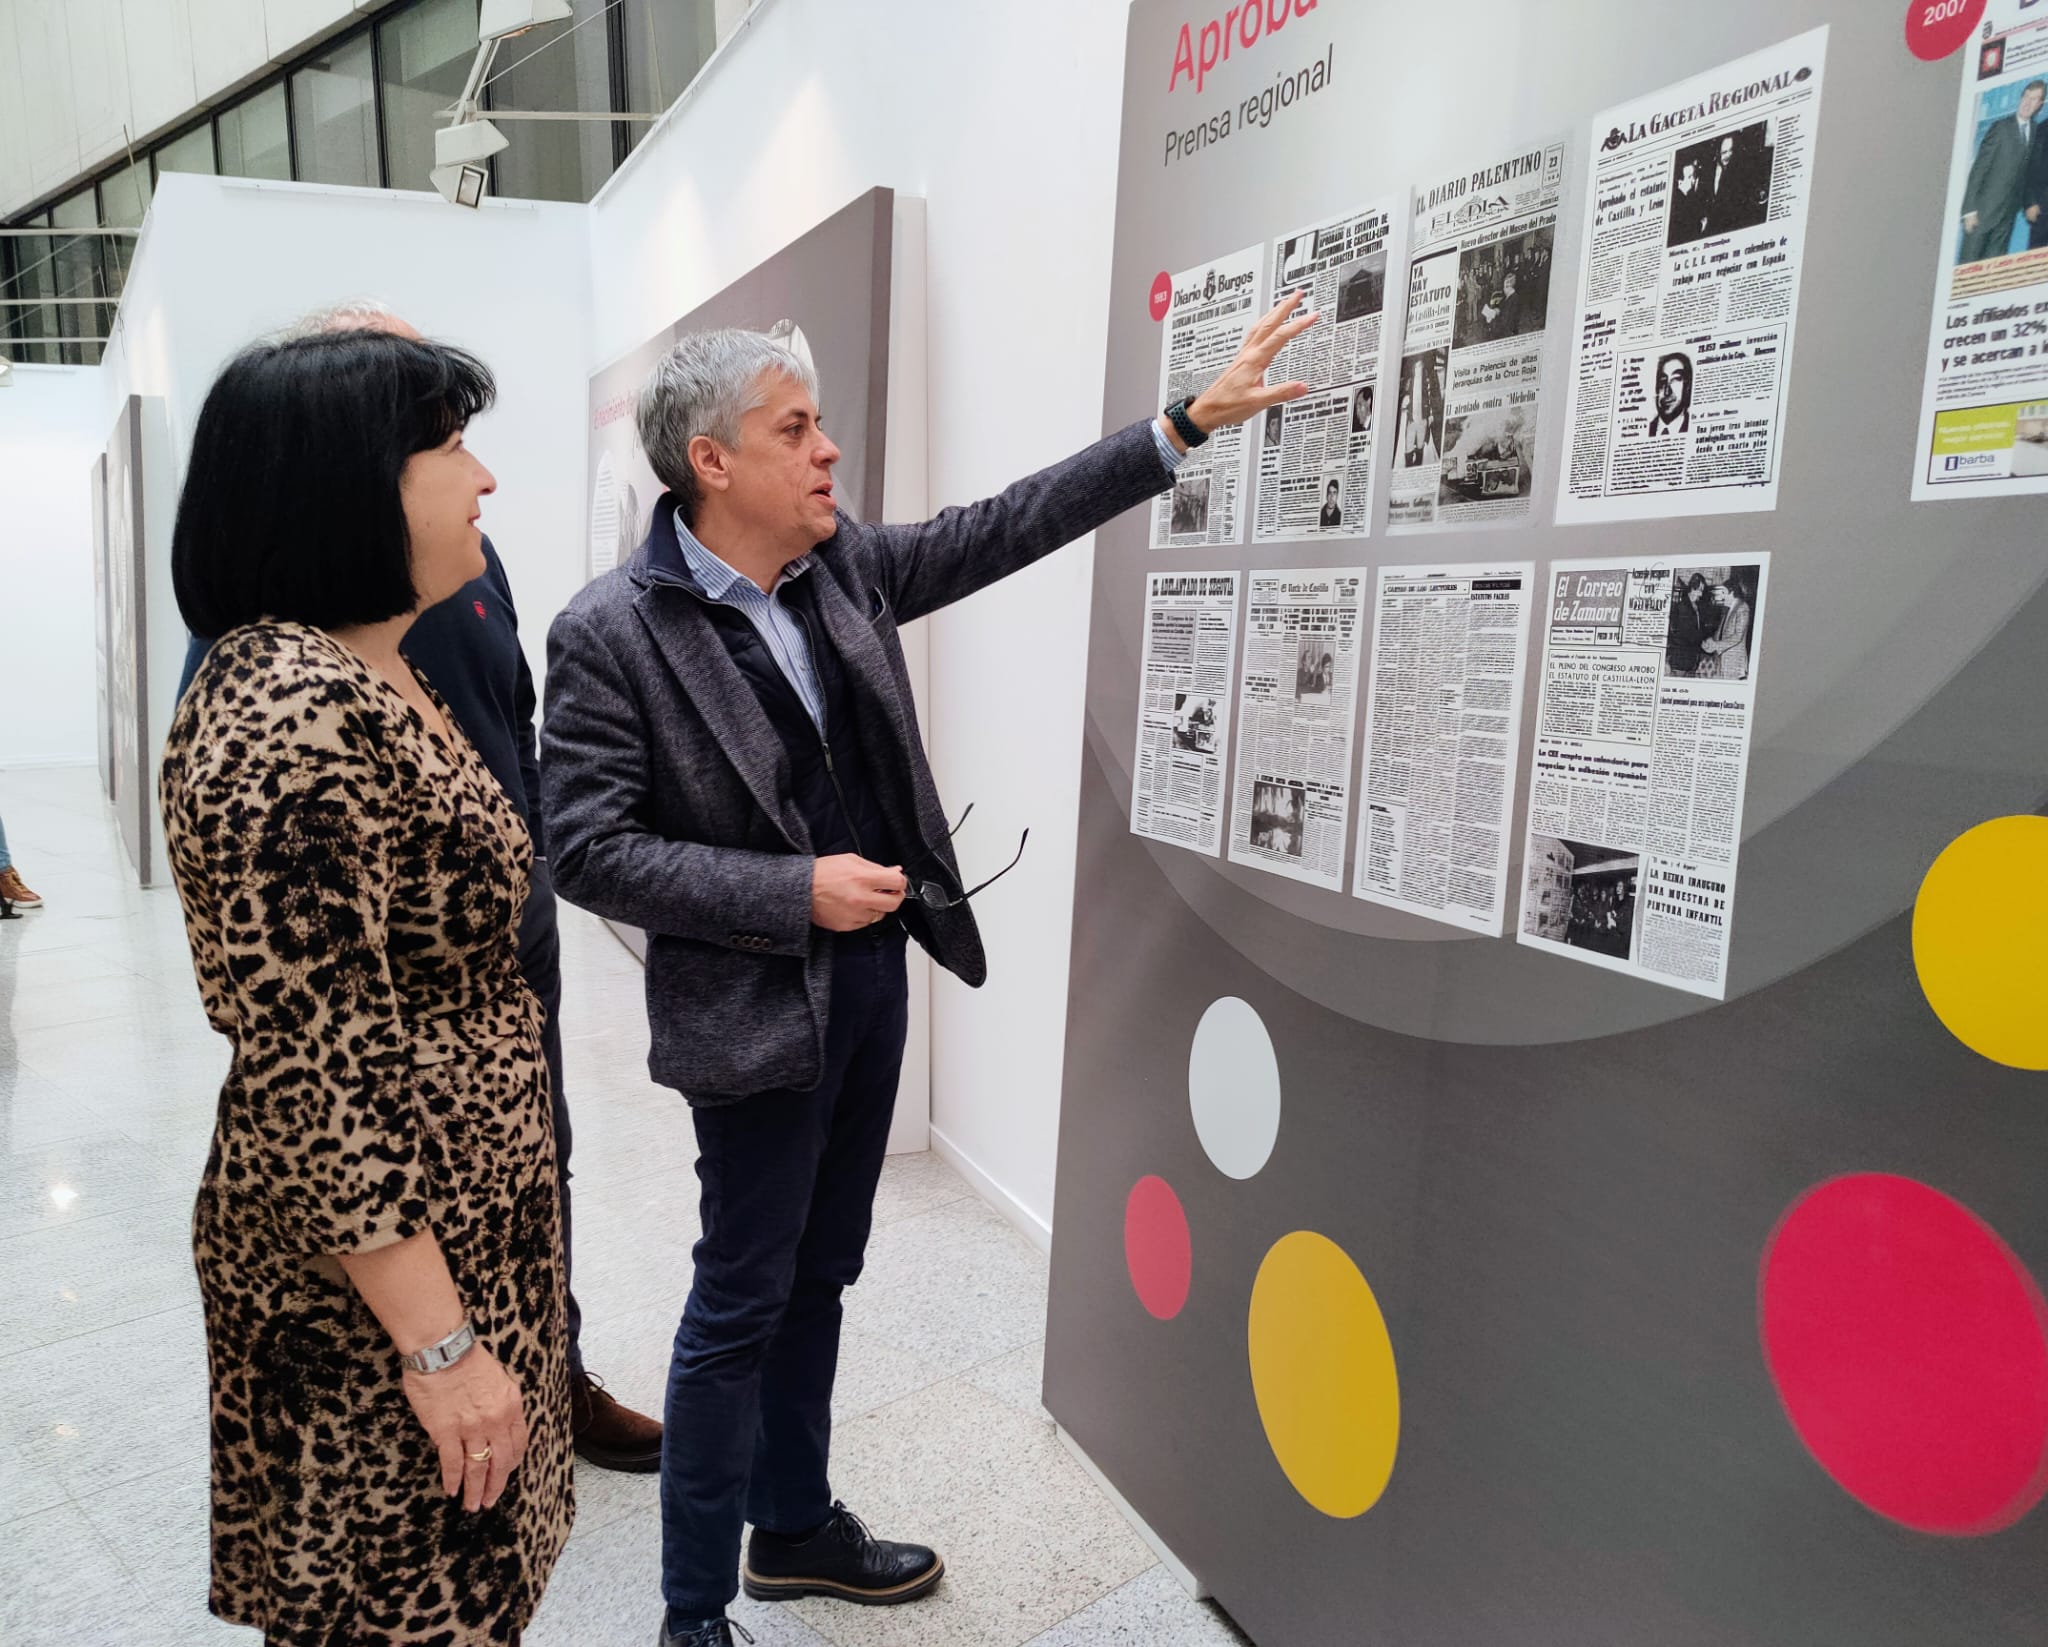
787	1195
540	963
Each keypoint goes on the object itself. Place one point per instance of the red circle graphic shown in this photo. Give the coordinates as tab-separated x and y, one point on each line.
1157	1248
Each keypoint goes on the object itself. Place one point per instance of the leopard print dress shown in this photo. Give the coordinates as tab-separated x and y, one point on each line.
352	884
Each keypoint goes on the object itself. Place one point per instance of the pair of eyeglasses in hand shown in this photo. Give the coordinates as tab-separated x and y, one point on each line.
935	894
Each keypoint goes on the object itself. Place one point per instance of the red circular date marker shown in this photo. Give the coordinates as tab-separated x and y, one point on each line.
1162	295
1939	28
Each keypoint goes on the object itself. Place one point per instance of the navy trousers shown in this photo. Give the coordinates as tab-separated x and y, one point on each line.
787	1191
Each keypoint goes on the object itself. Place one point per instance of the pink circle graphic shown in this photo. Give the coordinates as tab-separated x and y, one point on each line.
1157	1249
1938	28
1162	294
1909	1346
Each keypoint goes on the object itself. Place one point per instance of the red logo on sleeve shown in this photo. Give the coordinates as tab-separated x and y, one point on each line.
479	605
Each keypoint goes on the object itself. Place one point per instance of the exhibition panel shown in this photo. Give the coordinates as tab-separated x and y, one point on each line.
1665	1268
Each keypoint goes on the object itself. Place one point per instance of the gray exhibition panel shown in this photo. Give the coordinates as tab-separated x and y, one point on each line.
1559	1181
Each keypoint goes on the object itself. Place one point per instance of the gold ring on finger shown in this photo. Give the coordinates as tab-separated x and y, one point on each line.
483	1457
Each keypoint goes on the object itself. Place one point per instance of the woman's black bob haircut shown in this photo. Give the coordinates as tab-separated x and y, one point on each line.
291	506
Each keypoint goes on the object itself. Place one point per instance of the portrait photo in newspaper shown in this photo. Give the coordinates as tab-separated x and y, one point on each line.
1419	410
1504	288
1314	469
1984	398
1688	292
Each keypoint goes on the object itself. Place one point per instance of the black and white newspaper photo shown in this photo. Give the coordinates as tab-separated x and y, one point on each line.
1184	709
1303	632
1315	462
1481	244
1212	308
1641	764
1984	403
1443	727
1688	290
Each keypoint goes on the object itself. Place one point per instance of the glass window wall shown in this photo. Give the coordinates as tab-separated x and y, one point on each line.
334	111
568	67
80	273
255	137
426	51
191	153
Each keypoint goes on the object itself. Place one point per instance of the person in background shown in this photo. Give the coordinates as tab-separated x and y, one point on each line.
378	1228
730	761
468	649
1727	653
13	890
1686	628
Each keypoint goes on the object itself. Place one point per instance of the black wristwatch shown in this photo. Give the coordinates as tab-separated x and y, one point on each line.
1177	415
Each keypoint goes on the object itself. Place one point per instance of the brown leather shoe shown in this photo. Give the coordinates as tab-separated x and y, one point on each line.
608	1435
16	892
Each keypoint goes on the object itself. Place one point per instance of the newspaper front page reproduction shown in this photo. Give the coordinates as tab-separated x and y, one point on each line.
1481	247
1315	463
1641	764
1984	404
1184	709
1299	688
1211	309
1443	725
1688	289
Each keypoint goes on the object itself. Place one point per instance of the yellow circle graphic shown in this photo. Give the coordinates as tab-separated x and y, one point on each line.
1980	940
1323	1374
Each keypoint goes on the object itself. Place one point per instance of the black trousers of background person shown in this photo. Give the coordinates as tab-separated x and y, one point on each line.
787	1196
540	963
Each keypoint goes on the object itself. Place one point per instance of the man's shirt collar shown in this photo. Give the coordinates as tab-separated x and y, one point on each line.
711	576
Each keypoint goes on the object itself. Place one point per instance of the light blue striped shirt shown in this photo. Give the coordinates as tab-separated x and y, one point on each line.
780	629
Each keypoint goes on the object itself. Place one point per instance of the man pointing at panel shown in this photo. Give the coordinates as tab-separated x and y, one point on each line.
731	762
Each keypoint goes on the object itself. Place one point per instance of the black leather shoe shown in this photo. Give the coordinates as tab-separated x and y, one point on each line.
842	1559
719	1632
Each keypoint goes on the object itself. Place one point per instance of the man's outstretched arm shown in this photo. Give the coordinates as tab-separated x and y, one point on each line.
964	549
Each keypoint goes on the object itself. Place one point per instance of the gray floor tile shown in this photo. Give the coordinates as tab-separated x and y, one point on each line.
80	1179
85	1277
35	1113
606	1589
156	1525
109	1407
60	1583
1150	1611
1028	1540
1016	1378
956	1286
914	1184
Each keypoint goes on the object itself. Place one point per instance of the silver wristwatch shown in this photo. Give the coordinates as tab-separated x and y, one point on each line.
443	1355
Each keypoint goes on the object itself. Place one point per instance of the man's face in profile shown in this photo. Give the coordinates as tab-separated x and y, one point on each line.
1727	150
2030	103
1673	379
1689	177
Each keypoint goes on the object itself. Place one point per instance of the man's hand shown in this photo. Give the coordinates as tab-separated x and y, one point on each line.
1242	392
1969	223
848	892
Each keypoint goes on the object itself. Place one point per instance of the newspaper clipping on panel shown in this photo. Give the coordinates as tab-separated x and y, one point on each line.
1184	709
1984	405
1481	245
1642	758
1212	308
1302	635
1695	234
1315	463
1443	724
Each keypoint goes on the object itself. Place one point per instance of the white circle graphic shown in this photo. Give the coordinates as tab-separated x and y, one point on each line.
1234	1088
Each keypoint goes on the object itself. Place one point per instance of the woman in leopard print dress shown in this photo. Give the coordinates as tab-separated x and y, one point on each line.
382	1172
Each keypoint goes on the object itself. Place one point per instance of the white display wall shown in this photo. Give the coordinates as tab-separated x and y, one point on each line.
53	423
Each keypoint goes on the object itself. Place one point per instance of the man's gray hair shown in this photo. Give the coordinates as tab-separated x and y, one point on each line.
704	386
365	313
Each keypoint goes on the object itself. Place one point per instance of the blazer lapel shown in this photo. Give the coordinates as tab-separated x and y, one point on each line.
720	693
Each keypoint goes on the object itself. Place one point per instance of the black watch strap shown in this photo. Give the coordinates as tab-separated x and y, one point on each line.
1177	415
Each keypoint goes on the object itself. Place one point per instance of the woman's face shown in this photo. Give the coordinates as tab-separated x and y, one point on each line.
442	490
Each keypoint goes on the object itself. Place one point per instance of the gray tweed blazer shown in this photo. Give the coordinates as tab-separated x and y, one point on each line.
666	792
